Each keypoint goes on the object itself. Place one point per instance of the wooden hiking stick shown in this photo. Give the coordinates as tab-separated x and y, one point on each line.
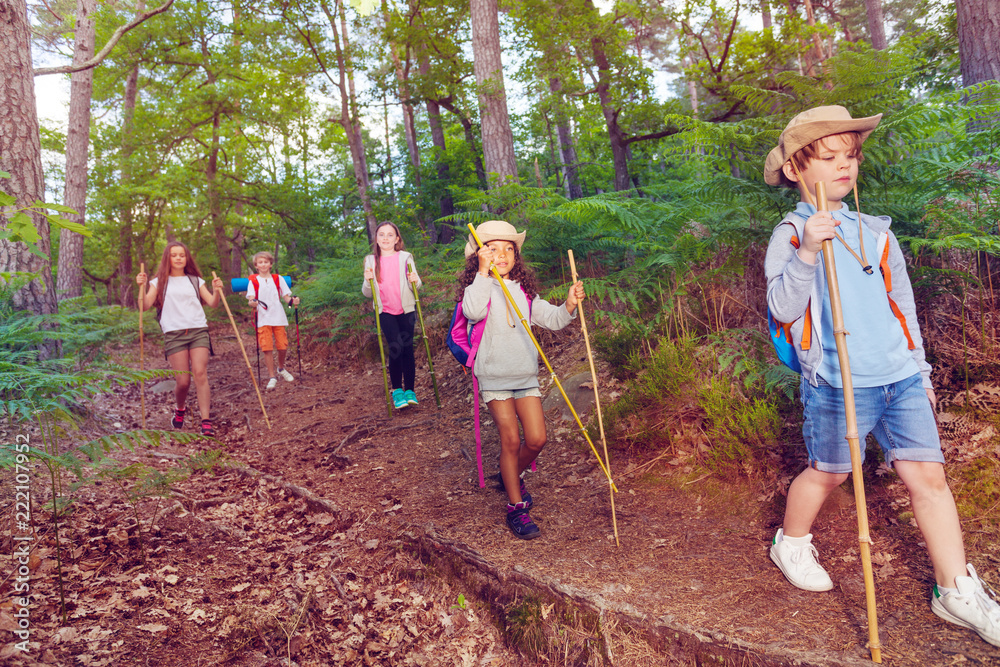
298	343
381	348
527	327
427	346
597	397
239	340
142	349
852	432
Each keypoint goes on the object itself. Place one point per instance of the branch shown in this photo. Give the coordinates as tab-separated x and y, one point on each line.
729	41
651	136
103	53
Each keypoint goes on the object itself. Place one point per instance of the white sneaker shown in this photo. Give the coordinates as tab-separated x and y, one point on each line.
272	383
799	565
971	607
285	374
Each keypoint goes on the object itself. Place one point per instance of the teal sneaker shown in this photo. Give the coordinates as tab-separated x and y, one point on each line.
411	397
399	399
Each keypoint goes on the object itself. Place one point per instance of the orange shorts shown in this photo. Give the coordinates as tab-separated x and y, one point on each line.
264	339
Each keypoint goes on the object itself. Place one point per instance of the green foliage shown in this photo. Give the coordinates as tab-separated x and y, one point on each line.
662	387
20	225
741	429
978	491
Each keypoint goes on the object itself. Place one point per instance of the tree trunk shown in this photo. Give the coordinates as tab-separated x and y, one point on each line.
811	19
616	137
69	277
409	127
876	24
979	40
567	151
216	215
126	295
498	140
21	157
349	112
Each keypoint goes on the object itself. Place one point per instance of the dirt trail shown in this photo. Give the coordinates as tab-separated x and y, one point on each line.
690	584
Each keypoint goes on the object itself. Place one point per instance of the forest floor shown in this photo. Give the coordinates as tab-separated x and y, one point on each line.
343	537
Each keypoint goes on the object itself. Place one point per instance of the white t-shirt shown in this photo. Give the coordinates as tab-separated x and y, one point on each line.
182	307
274	316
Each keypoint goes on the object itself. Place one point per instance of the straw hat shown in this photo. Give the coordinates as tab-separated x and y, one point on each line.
809	126
494	230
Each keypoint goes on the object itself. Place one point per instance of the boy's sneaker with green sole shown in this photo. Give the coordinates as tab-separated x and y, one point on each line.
799	564
970	606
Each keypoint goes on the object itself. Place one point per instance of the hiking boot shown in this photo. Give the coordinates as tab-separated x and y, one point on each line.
525	496
799	565
206	428
178	420
285	375
520	523
410	397
970	606
399	399
272	383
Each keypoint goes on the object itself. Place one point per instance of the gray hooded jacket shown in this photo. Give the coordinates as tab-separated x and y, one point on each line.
792	285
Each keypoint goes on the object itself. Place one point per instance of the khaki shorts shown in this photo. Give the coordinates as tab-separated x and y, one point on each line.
185	339
264	338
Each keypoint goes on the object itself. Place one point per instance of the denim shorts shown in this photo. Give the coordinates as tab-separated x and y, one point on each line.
504	394
899	415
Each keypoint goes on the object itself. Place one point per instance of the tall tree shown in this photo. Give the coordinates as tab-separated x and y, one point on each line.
498	140
979	40
69	277
21	157
876	24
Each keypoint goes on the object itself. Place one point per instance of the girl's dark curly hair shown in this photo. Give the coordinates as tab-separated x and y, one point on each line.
520	272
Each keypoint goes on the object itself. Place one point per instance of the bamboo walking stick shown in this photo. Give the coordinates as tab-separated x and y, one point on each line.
427	346
527	327
298	343
142	349
381	348
852	432
597	398
239	340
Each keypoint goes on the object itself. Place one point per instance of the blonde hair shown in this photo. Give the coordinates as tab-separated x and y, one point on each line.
263	253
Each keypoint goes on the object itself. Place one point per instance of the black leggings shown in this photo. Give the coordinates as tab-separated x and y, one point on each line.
398	332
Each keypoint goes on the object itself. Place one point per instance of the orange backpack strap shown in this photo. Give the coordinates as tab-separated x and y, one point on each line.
883	267
256	285
807	318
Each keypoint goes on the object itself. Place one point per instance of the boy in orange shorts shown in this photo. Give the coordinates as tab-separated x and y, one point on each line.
266	291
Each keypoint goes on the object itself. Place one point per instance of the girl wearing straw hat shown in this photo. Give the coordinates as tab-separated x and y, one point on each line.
894	397
390	266
507	361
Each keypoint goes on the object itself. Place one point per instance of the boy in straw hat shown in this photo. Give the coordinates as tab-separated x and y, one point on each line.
894	397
